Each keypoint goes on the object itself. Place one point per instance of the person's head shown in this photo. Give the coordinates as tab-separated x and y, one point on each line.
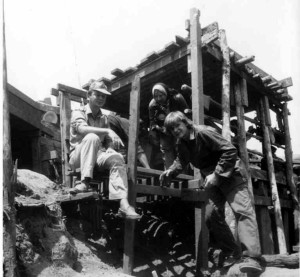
178	124
97	94
160	93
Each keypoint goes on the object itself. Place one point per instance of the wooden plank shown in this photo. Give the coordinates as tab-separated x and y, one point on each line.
288	82
264	224
78	197
65	117
184	194
271	175
210	33
244	60
117	72
289	170
81	93
241	132
172	46
263	175
9	213
23	110
149	172
181	41
36	154
201	232
134	118
267	201
129	70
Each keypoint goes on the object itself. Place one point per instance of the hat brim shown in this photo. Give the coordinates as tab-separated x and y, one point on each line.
104	91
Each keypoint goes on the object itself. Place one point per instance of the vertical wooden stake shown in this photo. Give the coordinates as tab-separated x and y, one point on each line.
225	86
289	170
239	90
65	117
271	176
196	66
9	220
128	256
201	232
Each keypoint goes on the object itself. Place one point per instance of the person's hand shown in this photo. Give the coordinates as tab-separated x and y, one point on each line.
165	178
163	130
211	180
115	142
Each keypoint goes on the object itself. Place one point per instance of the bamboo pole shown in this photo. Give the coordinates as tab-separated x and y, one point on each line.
271	175
128	256
239	89
201	232
9	220
289	171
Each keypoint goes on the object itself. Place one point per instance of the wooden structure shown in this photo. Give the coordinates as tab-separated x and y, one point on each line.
236	89
34	144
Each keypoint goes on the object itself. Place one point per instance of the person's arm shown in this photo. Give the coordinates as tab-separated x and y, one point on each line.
152	119
181	103
114	140
143	160
228	156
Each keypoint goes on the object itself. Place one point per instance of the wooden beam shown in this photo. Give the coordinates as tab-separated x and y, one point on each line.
271	174
181	41
240	88
289	171
9	264
81	93
117	72
172	46
226	133
201	232
65	117
244	60
288	82
209	33
132	173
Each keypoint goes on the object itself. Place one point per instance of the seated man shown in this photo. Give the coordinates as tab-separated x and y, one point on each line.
93	144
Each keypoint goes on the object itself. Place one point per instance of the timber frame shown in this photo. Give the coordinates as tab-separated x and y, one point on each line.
235	87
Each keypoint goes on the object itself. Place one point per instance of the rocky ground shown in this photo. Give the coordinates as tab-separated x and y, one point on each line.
59	240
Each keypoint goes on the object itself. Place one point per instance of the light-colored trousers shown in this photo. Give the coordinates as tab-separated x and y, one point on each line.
90	154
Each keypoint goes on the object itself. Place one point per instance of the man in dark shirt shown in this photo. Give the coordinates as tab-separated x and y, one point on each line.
225	180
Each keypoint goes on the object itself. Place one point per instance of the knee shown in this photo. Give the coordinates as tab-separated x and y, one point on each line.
91	138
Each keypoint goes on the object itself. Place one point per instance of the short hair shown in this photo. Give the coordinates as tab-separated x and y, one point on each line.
173	118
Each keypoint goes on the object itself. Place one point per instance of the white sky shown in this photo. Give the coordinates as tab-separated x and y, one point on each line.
72	41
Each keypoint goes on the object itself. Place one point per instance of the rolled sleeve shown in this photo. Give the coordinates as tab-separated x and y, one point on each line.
78	119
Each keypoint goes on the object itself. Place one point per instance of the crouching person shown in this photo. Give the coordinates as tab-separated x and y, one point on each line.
225	180
93	145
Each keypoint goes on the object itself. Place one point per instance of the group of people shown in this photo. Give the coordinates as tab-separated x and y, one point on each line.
96	139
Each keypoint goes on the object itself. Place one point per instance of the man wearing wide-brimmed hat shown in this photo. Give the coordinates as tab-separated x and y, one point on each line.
92	146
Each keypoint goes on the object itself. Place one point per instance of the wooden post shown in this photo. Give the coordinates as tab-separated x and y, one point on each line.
226	133
201	232
196	67
289	170
264	223
9	220
271	176
65	117
240	89
132	169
